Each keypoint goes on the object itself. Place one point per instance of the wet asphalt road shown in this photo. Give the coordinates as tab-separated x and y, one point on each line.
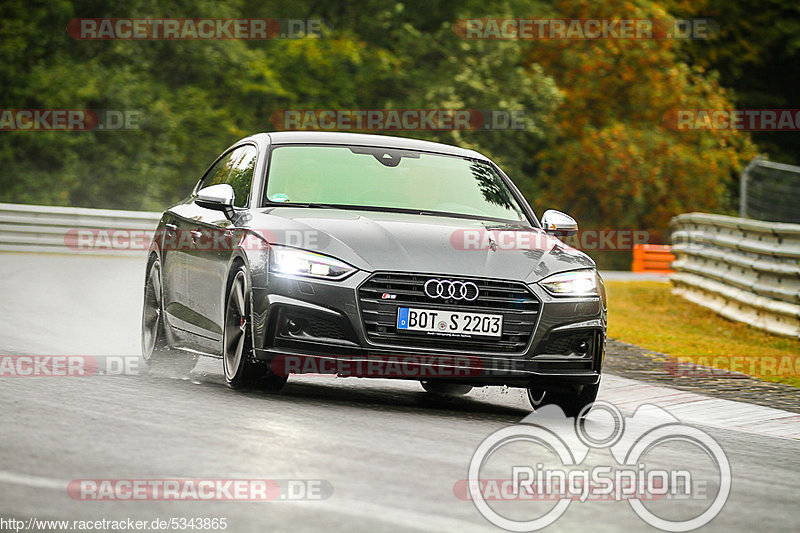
391	453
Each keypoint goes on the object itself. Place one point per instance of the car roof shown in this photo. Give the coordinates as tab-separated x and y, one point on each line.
360	139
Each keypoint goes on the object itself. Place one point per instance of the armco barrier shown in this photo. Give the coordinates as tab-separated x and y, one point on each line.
745	270
652	258
36	228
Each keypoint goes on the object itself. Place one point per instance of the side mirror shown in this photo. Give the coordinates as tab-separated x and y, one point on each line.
217	197
558	223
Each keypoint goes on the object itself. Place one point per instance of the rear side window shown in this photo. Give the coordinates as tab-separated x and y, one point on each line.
236	169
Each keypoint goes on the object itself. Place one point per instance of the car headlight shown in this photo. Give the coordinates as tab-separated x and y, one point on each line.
575	283
285	260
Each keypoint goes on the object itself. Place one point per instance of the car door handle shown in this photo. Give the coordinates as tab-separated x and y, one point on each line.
171	227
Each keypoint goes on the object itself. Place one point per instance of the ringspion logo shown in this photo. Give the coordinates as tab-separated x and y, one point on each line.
636	473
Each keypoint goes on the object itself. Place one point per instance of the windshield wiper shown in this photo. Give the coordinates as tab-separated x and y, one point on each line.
304	204
406	210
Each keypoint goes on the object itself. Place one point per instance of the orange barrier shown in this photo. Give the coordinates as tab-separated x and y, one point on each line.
653	258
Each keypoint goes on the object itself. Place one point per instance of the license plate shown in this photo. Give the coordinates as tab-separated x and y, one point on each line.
449	323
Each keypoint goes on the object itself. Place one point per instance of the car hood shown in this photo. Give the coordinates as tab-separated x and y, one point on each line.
402	242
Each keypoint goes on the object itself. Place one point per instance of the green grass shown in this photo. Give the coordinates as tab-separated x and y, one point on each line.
647	314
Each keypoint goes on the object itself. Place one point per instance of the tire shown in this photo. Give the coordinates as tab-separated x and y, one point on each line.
574	401
239	367
156	351
445	389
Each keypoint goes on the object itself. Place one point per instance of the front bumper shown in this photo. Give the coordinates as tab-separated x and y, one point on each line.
316	326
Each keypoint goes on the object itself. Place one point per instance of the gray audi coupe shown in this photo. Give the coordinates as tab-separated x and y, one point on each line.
372	256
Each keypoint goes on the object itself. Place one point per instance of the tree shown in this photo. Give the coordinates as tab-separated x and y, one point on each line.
756	52
613	160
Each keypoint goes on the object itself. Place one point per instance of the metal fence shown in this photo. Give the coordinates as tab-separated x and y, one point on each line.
35	228
770	191
745	270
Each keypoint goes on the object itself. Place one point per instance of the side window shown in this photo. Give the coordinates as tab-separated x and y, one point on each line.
219	172
242	165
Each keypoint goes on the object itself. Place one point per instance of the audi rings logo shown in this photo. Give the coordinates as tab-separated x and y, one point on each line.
446	289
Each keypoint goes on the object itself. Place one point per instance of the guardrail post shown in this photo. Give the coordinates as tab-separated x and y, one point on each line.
743	178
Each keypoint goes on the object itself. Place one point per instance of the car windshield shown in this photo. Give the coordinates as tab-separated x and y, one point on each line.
389	179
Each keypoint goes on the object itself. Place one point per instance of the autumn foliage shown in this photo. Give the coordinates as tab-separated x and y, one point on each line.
613	161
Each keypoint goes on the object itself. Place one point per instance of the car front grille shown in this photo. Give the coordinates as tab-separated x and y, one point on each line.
517	304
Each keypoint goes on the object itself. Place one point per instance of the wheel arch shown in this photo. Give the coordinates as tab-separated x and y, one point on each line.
256	267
